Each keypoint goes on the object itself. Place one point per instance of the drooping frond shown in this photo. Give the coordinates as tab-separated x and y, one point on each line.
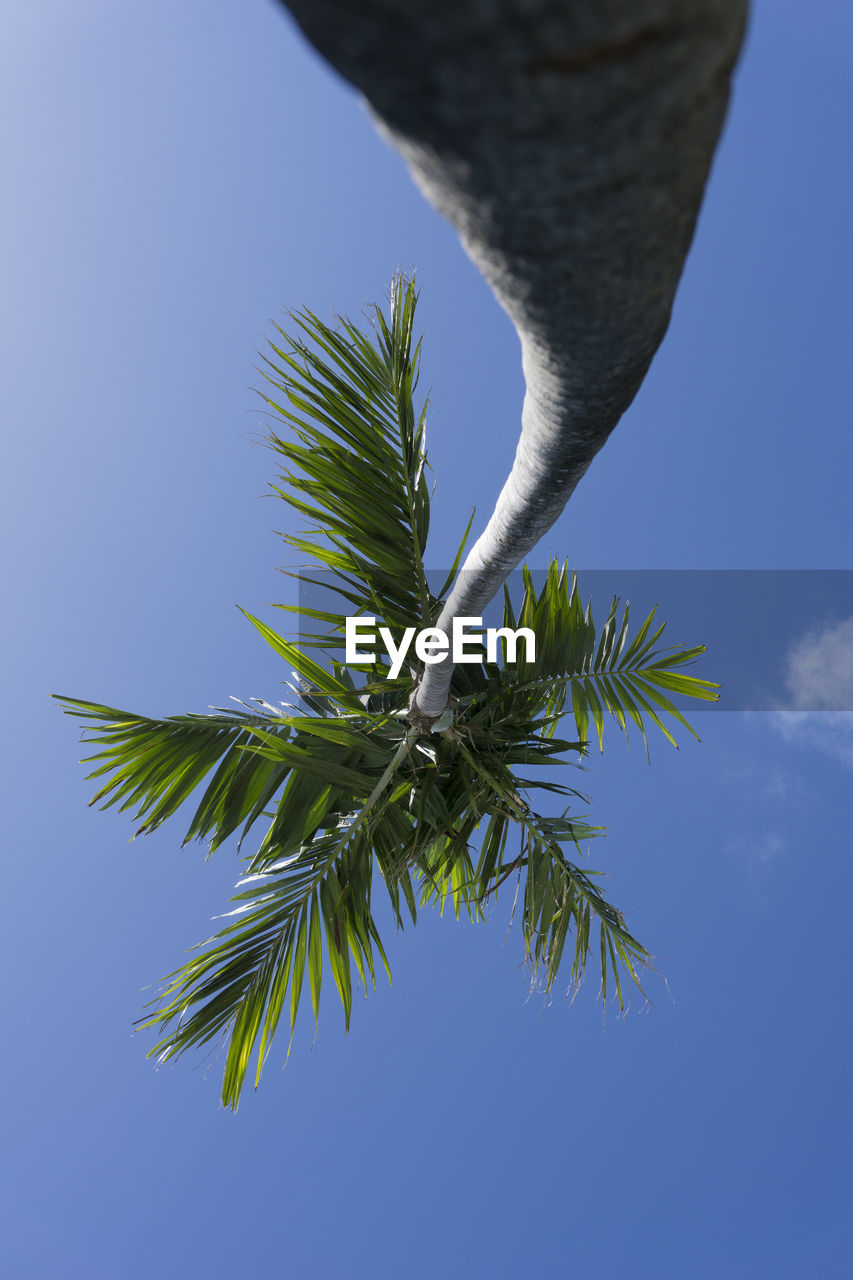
154	766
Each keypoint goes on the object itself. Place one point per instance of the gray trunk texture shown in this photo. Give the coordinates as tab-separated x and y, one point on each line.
569	142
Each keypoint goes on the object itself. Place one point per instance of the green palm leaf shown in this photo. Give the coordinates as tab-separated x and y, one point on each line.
601	673
355	454
154	766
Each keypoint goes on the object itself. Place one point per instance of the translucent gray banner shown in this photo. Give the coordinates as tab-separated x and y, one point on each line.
776	639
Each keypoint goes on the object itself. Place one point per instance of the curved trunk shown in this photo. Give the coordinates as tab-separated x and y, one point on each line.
569	143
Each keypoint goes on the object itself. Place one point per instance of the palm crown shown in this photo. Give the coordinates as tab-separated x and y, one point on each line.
349	787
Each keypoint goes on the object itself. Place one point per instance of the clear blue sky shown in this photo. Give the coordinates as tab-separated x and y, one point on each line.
175	176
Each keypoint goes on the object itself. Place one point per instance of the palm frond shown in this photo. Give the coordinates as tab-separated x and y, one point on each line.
255	966
600	672
355	457
154	766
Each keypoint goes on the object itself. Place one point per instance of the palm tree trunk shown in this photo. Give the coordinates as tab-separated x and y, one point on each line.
569	142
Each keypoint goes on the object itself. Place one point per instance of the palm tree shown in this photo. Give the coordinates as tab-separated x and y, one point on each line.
569	145
349	786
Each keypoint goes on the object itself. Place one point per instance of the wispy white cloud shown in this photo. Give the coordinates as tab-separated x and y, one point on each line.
830	732
766	849
819	669
819	680
757	850
764	778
